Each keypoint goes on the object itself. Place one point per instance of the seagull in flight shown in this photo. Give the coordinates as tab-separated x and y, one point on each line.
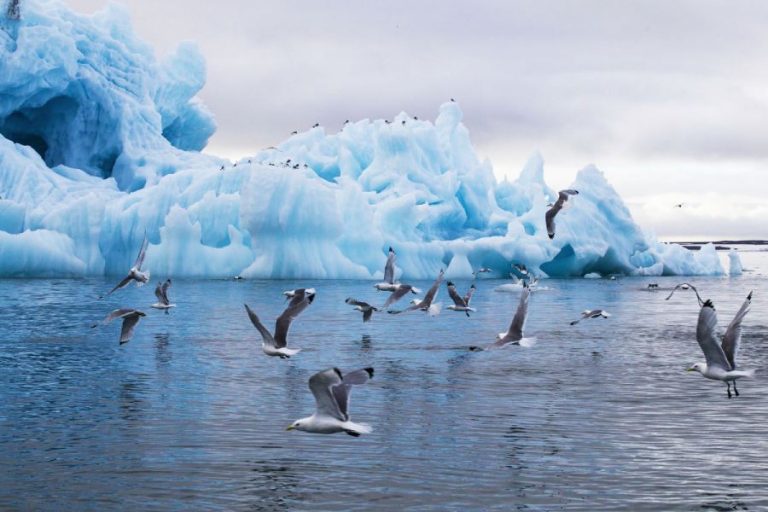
389	274
721	357
130	318
514	335
366	308
135	274
331	389
425	304
686	286
562	197
460	303
277	345
591	313
161	292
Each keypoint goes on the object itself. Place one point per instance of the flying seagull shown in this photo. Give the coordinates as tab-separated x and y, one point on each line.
161	292
135	274
591	313
481	270
389	274
425	304
460	303
562	197
366	308
277	345
514	335
130	318
400	291
331	389
686	286
721	357
298	294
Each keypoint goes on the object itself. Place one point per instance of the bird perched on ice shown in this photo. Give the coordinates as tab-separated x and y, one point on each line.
130	318
425	304
135	274
562	198
277	345
721	357
591	313
514	335
388	285
366	308
460	303
331	390
161	292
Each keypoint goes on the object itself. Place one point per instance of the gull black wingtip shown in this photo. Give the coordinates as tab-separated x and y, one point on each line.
369	371
749	297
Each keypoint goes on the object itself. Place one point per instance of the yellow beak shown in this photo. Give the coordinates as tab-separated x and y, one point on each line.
290	427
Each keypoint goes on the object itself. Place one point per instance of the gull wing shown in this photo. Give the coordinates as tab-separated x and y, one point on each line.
705	335
549	218
732	338
397	295
166	285
142	252
159	294
283	322
455	297
389	268
515	332
129	323
432	292
355	302
265	334
468	296
115	314
321	385
121	284
341	391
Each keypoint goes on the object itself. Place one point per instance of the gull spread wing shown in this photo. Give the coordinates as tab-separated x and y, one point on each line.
142	252
321	385
341	391
515	332
397	295
283	322
121	284
732	338
164	290
705	335
129	323
389	268
455	297
430	295
689	285
468	296
265	334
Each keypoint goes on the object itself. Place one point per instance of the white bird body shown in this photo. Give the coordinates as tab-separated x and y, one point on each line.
328	425
282	352
386	287
721	374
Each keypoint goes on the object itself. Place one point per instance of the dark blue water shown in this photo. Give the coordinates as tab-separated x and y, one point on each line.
191	415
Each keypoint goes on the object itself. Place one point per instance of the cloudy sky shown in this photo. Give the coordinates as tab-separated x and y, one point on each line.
669	99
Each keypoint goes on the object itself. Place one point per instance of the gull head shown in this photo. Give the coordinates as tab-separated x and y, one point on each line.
698	367
298	425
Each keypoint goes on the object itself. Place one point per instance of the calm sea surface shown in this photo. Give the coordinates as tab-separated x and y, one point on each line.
191	415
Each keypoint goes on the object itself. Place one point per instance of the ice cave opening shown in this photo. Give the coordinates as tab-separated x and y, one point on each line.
64	131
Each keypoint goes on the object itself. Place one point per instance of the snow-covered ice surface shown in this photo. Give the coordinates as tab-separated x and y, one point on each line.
100	142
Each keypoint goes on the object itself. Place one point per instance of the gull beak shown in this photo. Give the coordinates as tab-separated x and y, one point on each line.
290	427
689	369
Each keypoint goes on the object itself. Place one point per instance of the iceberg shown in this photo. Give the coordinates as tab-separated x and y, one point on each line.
101	143
734	263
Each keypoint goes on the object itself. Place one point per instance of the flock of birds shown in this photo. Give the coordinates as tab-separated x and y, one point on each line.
331	388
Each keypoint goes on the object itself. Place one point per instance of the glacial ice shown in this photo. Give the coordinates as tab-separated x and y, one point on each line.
734	263
100	142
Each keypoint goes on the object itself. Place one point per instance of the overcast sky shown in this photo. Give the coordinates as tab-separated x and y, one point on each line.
669	99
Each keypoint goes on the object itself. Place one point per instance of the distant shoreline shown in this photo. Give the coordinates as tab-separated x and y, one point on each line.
720	245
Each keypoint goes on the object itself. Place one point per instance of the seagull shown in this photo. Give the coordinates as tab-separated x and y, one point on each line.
591	313
161	292
389	274
366	308
401	290
315	125
294	132
130	318
481	270
514	335
331	389
460	303
686	286
721	358
277	345
299	292
135	274
678	205
562	197
425	304
653	286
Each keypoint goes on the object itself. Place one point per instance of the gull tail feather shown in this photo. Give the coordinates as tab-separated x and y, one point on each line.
434	309
527	342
